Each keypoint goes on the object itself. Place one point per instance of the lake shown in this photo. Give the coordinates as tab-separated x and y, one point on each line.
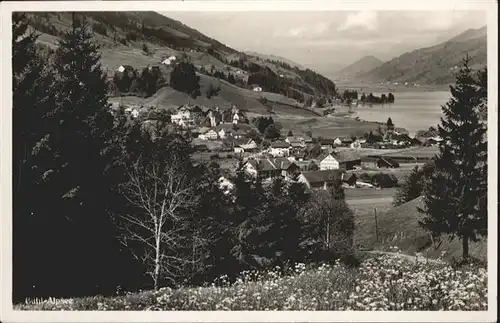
411	110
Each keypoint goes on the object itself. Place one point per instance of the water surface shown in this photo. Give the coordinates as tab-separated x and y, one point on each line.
411	110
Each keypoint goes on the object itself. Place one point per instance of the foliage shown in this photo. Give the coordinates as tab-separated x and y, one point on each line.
455	194
382	282
184	79
262	123
413	184
272	132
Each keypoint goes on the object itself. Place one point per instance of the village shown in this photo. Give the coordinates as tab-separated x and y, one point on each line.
226	136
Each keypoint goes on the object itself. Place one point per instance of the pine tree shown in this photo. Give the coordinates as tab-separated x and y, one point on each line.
82	125
31	82
411	188
390	124
455	193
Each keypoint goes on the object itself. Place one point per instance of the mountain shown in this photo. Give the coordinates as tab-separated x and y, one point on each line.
145	38
359	67
433	65
274	58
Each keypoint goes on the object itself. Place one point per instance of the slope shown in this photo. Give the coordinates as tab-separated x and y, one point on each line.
122	37
399	227
433	65
362	65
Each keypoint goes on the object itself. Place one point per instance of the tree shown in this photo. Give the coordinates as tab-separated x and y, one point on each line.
455	193
390	124
184	79
290	133
482	86
145	49
32	102
272	132
329	223
159	193
390	98
411	188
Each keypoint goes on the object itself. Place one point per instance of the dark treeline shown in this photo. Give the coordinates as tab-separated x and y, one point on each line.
370	98
143	83
349	96
105	204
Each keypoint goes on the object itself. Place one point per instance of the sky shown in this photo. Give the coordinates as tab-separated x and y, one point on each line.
329	40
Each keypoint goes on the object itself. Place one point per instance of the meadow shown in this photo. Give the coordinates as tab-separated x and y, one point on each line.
381	283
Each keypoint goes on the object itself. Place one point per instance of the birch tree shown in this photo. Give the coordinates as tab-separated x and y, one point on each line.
161	197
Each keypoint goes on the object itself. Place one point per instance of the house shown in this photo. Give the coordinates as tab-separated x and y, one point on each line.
295	142
271	167
306	139
231	130
248	146
125	68
172	58
166	61
339	160
387	162
342	142
210	134
320	179
328	162
326	143
236	118
433	141
183	113
307	165
214	117
358	143
401	131
134	113
279	148
257	89
225	185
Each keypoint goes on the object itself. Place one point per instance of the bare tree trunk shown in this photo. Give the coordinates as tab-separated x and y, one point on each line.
465	246
157	263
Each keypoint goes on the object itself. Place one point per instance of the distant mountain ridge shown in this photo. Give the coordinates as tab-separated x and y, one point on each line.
145	38
274	58
362	65
433	65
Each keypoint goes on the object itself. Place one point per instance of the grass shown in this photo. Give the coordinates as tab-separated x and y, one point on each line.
382	282
399	227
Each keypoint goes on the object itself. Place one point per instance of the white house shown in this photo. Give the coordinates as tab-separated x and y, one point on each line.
279	149
225	185
166	62
135	113
209	135
172	58
183	117
121	69
357	143
236	118
257	89
329	162
337	142
222	133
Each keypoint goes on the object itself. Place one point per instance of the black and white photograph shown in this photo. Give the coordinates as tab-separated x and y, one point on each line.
233	157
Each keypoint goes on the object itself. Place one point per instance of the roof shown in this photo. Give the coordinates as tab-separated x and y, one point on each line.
280	144
321	176
341	156
389	161
327	141
267	164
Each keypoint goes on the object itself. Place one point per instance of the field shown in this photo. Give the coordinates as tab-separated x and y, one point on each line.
327	127
381	282
422	152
